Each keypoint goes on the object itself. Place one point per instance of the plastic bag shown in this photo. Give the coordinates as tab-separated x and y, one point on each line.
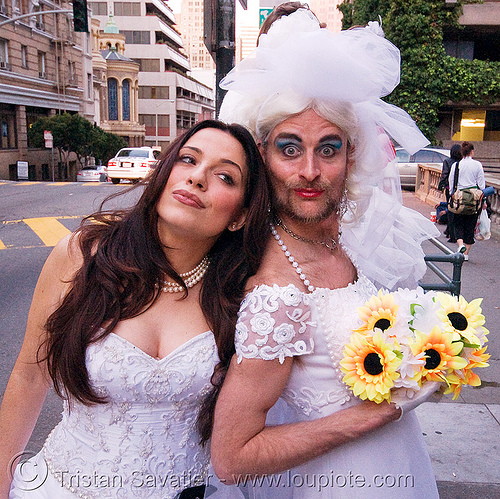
483	227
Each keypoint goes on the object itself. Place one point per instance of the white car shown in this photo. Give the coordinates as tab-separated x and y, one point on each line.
96	173
408	164
132	163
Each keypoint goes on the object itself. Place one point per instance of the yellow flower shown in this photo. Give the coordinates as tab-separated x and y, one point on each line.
441	352
463	318
379	312
370	365
465	376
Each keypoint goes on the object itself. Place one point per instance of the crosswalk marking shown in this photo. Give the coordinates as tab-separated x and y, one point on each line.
48	229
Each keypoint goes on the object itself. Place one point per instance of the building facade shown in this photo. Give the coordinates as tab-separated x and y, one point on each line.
169	100
479	39
45	68
116	85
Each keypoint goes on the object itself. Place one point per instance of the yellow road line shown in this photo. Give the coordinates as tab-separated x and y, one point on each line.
26	183
2	245
48	229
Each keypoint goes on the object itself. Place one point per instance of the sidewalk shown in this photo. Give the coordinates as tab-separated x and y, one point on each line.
463	437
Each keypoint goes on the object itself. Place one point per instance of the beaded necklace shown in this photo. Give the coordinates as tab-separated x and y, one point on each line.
190	278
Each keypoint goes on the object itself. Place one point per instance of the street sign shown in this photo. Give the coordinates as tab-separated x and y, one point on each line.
47	135
22	170
263	13
49	143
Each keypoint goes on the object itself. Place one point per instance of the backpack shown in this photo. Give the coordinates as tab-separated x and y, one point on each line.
464	201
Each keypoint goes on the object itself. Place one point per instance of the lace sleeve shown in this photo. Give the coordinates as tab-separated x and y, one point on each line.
274	323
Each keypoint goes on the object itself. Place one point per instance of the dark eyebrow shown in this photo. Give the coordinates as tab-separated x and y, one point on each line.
223	160
285	135
331	137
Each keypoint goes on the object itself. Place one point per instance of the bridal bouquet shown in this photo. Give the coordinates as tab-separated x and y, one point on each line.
408	338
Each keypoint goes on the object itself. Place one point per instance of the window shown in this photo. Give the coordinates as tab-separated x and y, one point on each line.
152	121
41	65
99	8
71	72
4	54
24	56
149	65
185	119
3	7
113	99
136	37
127	9
126	100
8	133
90	86
153	93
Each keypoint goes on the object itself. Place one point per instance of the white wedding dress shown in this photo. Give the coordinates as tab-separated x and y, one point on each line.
276	322
142	443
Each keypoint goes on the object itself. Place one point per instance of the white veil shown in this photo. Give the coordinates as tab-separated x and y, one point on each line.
307	66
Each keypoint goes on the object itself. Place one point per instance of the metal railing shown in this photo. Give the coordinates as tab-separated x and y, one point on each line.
450	284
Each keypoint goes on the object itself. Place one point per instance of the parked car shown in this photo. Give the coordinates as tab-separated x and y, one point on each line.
407	163
132	163
96	173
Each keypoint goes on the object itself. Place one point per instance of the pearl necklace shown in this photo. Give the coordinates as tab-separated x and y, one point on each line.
291	259
190	278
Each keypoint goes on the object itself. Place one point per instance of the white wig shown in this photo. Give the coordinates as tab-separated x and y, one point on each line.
342	77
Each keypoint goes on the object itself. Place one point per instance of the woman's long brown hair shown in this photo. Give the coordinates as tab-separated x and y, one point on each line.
123	260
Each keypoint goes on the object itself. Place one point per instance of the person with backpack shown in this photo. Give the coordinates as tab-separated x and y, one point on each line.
470	174
444	186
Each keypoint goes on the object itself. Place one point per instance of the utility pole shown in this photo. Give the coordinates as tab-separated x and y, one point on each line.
220	39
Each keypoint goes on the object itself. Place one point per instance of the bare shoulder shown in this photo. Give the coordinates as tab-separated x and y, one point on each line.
66	257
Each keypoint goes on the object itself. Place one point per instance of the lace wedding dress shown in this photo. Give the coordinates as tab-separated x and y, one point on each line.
143	442
277	322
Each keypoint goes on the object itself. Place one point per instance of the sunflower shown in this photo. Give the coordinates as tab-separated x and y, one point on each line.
442	352
370	366
464	318
379	312
459	377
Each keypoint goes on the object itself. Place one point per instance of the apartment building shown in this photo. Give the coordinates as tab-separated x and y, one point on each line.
45	68
169	101
479	39
116	84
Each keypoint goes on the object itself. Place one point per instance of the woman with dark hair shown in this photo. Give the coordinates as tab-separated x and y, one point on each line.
126	319
444	185
470	174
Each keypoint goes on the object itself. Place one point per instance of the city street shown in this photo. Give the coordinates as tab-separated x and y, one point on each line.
461	436
34	216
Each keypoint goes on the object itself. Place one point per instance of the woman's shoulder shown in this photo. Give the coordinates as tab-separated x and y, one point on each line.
66	258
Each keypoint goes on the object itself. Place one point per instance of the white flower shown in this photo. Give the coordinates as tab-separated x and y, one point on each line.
241	334
376	28
262	323
283	334
291	296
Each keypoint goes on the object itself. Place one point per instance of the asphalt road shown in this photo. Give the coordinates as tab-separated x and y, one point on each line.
32	215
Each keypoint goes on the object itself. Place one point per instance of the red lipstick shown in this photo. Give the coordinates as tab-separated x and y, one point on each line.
308	193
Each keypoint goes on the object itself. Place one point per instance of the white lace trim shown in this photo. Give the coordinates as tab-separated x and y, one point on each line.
274	323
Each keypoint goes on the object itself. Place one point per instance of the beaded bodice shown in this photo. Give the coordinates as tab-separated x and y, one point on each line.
143	442
277	322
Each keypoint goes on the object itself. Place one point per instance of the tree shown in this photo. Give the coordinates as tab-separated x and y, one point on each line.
429	78
105	145
74	133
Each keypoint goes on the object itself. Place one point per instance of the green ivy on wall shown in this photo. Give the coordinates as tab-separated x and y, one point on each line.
429	78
